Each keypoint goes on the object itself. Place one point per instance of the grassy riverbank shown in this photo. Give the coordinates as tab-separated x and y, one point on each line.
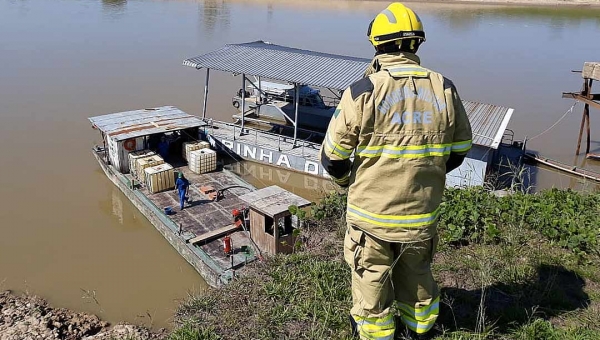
516	267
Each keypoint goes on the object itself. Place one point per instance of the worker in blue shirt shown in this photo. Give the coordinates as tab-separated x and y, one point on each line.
182	185
163	147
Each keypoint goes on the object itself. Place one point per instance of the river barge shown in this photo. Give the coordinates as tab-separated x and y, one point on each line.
226	224
287	144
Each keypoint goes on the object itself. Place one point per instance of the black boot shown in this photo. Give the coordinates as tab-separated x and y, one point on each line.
403	333
354	327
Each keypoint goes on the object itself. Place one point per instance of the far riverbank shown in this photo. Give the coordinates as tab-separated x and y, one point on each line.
342	3
519	2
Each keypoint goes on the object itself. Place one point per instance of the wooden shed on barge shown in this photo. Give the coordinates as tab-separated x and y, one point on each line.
272	225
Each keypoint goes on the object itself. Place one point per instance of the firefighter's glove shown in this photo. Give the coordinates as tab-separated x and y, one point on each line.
344	181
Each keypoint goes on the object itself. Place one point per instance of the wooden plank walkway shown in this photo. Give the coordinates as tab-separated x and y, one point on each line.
571	169
211	235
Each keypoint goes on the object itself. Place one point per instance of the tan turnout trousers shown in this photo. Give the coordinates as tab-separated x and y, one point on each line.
386	271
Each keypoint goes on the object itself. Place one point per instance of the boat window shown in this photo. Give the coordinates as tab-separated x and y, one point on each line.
319	102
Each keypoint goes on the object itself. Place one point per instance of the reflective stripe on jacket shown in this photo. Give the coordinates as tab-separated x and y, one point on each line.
400	123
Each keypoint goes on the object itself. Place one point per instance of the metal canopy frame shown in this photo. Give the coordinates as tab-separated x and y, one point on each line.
296	66
243	107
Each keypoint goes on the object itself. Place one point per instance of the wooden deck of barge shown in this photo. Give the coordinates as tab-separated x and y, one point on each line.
202	216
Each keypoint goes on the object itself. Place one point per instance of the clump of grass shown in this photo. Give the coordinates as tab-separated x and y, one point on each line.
501	275
287	297
190	332
540	329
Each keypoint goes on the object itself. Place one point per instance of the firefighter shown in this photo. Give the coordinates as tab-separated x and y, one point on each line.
392	139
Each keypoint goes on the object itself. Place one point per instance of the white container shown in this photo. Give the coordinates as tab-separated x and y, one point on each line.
145	162
118	152
191	146
202	161
134	156
160	178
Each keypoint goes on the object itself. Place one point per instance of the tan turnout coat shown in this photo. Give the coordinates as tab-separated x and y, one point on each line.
399	124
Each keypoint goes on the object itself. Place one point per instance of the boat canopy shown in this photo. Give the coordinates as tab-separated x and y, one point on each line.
488	122
131	124
303	67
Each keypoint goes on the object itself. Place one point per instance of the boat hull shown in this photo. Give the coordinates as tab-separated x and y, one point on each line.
211	273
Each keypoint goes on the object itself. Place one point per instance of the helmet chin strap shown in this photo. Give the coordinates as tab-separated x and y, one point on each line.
407	46
376	64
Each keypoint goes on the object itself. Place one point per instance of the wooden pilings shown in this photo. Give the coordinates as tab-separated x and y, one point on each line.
585	119
591	72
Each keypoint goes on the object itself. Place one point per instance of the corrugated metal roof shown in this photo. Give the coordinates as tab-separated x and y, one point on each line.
132	124
284	64
273	200
488	122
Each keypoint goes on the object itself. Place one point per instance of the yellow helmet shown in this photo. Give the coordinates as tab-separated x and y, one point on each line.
396	22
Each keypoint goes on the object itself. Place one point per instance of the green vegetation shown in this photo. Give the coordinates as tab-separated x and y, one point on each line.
567	218
514	267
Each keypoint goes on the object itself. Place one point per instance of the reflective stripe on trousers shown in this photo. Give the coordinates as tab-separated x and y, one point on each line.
376	328
421	319
401	221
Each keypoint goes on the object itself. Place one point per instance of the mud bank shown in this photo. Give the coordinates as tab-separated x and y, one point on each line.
29	317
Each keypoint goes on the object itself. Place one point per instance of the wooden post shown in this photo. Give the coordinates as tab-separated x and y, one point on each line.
586	111
587	114
580	133
584	119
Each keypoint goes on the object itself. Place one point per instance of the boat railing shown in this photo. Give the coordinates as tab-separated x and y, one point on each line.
282	140
508	137
331	101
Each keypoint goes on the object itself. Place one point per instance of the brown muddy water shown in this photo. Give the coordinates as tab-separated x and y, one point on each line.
67	234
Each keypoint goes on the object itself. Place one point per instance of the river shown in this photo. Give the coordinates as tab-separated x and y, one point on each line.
67	234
